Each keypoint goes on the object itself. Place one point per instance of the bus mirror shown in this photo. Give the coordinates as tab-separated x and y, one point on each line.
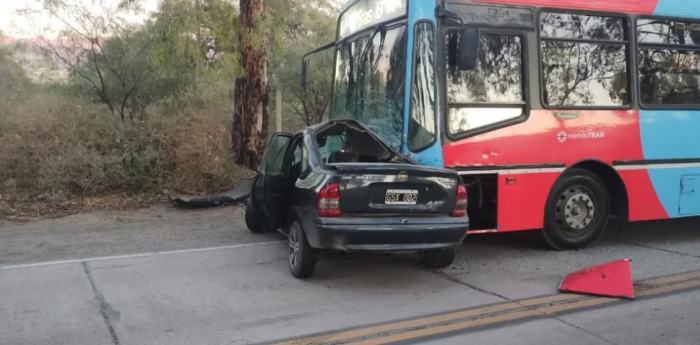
468	49
304	66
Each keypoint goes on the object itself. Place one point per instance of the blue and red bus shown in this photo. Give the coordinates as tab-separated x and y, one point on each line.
574	114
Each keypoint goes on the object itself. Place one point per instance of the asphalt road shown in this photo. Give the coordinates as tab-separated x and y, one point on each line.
165	276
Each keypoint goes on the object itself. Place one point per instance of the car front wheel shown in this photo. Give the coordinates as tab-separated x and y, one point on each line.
438	258
302	258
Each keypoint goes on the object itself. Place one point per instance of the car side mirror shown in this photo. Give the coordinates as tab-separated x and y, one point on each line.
468	49
304	66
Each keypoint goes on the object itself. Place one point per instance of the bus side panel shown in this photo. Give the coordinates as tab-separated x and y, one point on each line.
677	8
671	144
521	201
643	201
521	204
560	139
552	137
420	10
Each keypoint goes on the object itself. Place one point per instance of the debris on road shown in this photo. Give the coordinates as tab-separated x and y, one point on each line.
230	197
612	279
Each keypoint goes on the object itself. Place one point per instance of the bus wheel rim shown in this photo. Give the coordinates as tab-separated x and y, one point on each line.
576	210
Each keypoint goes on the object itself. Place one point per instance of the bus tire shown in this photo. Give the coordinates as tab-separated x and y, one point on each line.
577	211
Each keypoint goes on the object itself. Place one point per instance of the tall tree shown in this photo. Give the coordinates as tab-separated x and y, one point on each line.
250	117
309	25
108	58
13	80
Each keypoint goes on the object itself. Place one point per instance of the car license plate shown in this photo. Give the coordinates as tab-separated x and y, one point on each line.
401	197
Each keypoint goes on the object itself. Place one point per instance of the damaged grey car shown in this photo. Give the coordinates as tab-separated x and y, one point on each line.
337	186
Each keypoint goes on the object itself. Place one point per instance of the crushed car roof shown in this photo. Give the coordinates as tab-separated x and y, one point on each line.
326	124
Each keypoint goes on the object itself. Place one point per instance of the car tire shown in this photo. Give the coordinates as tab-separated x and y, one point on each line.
252	218
577	211
438	258
301	258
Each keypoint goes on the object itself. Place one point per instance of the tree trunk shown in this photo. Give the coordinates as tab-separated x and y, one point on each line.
278	104
250	116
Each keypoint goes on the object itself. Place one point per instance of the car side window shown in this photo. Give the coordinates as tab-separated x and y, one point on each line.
297	157
304	159
275	157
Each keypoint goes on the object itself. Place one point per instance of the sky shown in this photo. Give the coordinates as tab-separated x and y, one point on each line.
16	26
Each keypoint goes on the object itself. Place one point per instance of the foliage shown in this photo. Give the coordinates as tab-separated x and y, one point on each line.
170	83
110	60
309	25
60	145
187	52
13	81
63	145
199	40
122	75
200	152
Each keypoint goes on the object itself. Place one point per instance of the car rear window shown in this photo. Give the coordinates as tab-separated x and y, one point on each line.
341	143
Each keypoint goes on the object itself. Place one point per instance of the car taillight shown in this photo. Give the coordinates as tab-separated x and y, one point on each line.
329	201
461	203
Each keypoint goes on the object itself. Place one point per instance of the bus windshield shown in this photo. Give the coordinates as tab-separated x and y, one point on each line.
370	81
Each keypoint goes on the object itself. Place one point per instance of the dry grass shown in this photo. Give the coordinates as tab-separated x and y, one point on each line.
199	149
25	208
56	150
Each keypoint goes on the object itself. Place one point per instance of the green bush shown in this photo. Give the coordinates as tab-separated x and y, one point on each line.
57	144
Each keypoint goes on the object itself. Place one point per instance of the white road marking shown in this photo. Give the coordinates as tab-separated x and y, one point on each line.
142	255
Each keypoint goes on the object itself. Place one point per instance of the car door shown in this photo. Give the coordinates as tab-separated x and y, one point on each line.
272	184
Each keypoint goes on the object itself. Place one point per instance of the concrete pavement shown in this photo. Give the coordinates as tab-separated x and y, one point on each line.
242	293
108	233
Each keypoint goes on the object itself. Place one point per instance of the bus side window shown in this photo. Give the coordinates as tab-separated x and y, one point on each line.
584	60
421	125
669	62
492	94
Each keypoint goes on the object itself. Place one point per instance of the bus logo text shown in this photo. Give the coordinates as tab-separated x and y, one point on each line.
563	136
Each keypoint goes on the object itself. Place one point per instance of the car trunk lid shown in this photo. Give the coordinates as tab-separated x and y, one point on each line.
395	189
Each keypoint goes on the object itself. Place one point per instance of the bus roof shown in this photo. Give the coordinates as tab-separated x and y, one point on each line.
348	4
677	8
656	7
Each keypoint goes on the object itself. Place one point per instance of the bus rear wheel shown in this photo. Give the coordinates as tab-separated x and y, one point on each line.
577	211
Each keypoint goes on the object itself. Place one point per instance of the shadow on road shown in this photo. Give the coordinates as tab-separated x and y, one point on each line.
673	231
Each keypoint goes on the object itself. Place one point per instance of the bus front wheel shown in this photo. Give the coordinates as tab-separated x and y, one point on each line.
577	211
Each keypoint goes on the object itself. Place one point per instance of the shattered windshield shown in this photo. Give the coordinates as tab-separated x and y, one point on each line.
370	81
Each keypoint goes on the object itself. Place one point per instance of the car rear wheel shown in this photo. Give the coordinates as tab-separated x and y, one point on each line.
302	258
577	211
252	218
438	258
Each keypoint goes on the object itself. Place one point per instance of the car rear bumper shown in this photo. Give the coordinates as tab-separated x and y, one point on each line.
389	234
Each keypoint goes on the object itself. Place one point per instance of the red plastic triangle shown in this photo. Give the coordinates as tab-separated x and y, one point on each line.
612	279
